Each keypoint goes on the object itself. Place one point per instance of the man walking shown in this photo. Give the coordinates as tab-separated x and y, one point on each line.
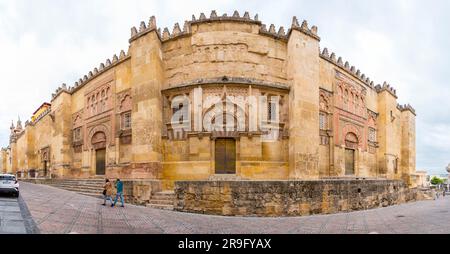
119	186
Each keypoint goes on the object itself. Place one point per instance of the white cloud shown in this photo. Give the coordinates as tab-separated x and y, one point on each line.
45	43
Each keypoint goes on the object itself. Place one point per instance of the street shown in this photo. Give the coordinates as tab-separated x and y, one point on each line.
56	211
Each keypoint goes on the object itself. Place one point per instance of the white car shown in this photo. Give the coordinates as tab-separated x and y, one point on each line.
9	185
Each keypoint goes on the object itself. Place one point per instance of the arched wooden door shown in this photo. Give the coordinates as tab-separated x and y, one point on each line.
225	156
99	144
100	157
351	144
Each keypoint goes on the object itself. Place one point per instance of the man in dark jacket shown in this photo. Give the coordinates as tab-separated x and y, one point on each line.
119	186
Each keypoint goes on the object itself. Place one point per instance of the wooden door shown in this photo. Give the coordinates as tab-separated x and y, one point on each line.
100	158
225	156
45	168
349	162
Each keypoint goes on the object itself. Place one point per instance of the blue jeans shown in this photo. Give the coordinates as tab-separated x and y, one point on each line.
119	194
108	198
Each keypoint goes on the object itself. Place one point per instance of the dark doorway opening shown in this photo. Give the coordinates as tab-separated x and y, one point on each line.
225	156
100	157
349	162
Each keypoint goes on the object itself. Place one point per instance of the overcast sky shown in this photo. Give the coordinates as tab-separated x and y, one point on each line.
45	43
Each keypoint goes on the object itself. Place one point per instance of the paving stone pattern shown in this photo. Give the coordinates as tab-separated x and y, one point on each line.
58	211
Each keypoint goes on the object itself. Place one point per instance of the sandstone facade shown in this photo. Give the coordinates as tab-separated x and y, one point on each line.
318	118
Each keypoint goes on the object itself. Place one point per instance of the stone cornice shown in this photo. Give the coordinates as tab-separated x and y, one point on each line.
230	81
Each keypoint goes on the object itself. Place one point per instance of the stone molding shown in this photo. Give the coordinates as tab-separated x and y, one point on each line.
229	80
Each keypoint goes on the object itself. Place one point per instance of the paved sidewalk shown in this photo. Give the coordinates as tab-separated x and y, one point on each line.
58	211
13	216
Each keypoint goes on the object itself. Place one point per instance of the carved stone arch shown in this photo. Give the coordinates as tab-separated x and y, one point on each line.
125	103
324	103
372	121
351	141
78	120
94	137
351	130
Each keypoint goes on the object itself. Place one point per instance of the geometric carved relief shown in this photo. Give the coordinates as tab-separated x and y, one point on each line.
351	141
125	102
45	154
99	140
99	137
325	101
98	101
351	136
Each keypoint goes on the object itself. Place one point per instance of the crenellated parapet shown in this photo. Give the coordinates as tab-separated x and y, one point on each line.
62	89
339	62
103	67
178	31
406	107
356	73
272	32
386	87
143	29
304	28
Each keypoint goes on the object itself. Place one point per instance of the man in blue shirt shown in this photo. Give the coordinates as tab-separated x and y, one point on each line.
119	186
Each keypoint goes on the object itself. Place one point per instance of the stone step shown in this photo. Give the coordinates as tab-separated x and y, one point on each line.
80	190
164	195
161	202
161	207
161	197
88	187
79	183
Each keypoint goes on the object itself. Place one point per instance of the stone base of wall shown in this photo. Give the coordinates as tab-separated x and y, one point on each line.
289	198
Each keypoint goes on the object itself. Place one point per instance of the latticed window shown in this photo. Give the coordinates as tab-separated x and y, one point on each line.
126	121
272	109
323	121
372	135
177	109
77	134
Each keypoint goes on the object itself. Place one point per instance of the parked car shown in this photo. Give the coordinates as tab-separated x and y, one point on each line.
9	185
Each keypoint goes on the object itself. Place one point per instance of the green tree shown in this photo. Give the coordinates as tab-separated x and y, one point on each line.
436	181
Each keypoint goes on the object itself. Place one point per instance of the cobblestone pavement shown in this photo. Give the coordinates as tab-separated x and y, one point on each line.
61	212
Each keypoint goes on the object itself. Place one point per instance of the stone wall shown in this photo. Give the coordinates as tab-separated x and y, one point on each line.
139	192
289	198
